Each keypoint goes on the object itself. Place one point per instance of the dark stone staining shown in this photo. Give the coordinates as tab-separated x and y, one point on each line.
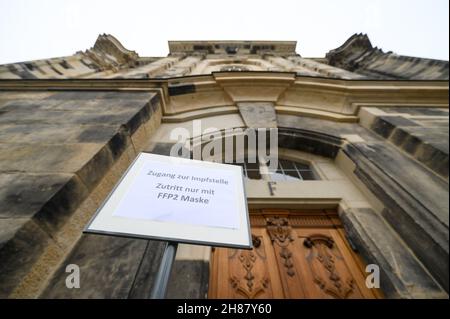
181	89
45	158
207	48
129	96
104	261
358	55
189	280
384	125
139	118
326	128
307	141
76	95
130	111
21	71
102	95
55	212
54	69
22	195
119	143
317	136
162	148
165	149
26	106
231	50
91	65
123	267
424	139
29	66
399	136
391	165
399	121
434	158
378	245
98	134
97	167
32	66
65	65
415	200
149	264
54	151
411	144
155	103
256	48
422	111
19	252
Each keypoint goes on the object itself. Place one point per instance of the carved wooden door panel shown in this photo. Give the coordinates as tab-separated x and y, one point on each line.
295	255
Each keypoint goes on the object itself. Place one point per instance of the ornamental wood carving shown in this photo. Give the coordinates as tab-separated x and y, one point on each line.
296	255
249	282
281	234
322	262
279	231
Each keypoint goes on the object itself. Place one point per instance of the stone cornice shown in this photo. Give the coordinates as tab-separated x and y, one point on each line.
115	83
357	55
335	96
232	47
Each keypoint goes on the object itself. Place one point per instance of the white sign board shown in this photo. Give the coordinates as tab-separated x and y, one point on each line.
177	199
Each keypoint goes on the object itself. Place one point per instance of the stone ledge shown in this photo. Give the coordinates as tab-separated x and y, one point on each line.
45	175
402	275
425	143
314	113
418	212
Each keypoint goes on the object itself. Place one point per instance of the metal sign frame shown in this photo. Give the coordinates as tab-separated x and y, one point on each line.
168	238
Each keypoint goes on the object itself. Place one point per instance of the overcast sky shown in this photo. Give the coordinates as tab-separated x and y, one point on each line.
36	29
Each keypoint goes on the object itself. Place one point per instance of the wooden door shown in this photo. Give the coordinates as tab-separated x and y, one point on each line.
296	255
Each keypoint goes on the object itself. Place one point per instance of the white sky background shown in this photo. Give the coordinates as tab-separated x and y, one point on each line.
32	29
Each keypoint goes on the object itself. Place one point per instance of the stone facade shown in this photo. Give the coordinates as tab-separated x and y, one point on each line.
355	59
373	125
358	55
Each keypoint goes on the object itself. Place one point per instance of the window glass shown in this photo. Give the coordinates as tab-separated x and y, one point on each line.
253	170
286	171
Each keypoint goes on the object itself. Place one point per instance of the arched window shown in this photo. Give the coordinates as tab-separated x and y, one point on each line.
287	171
290	170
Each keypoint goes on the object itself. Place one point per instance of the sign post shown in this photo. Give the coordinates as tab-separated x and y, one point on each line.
159	289
176	200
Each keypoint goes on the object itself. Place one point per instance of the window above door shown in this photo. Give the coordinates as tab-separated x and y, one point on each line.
287	170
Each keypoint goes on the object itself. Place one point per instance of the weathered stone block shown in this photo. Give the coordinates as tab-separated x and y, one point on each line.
378	244
416	202
189	280
258	114
19	253
385	125
23	194
40	158
109	263
56	211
